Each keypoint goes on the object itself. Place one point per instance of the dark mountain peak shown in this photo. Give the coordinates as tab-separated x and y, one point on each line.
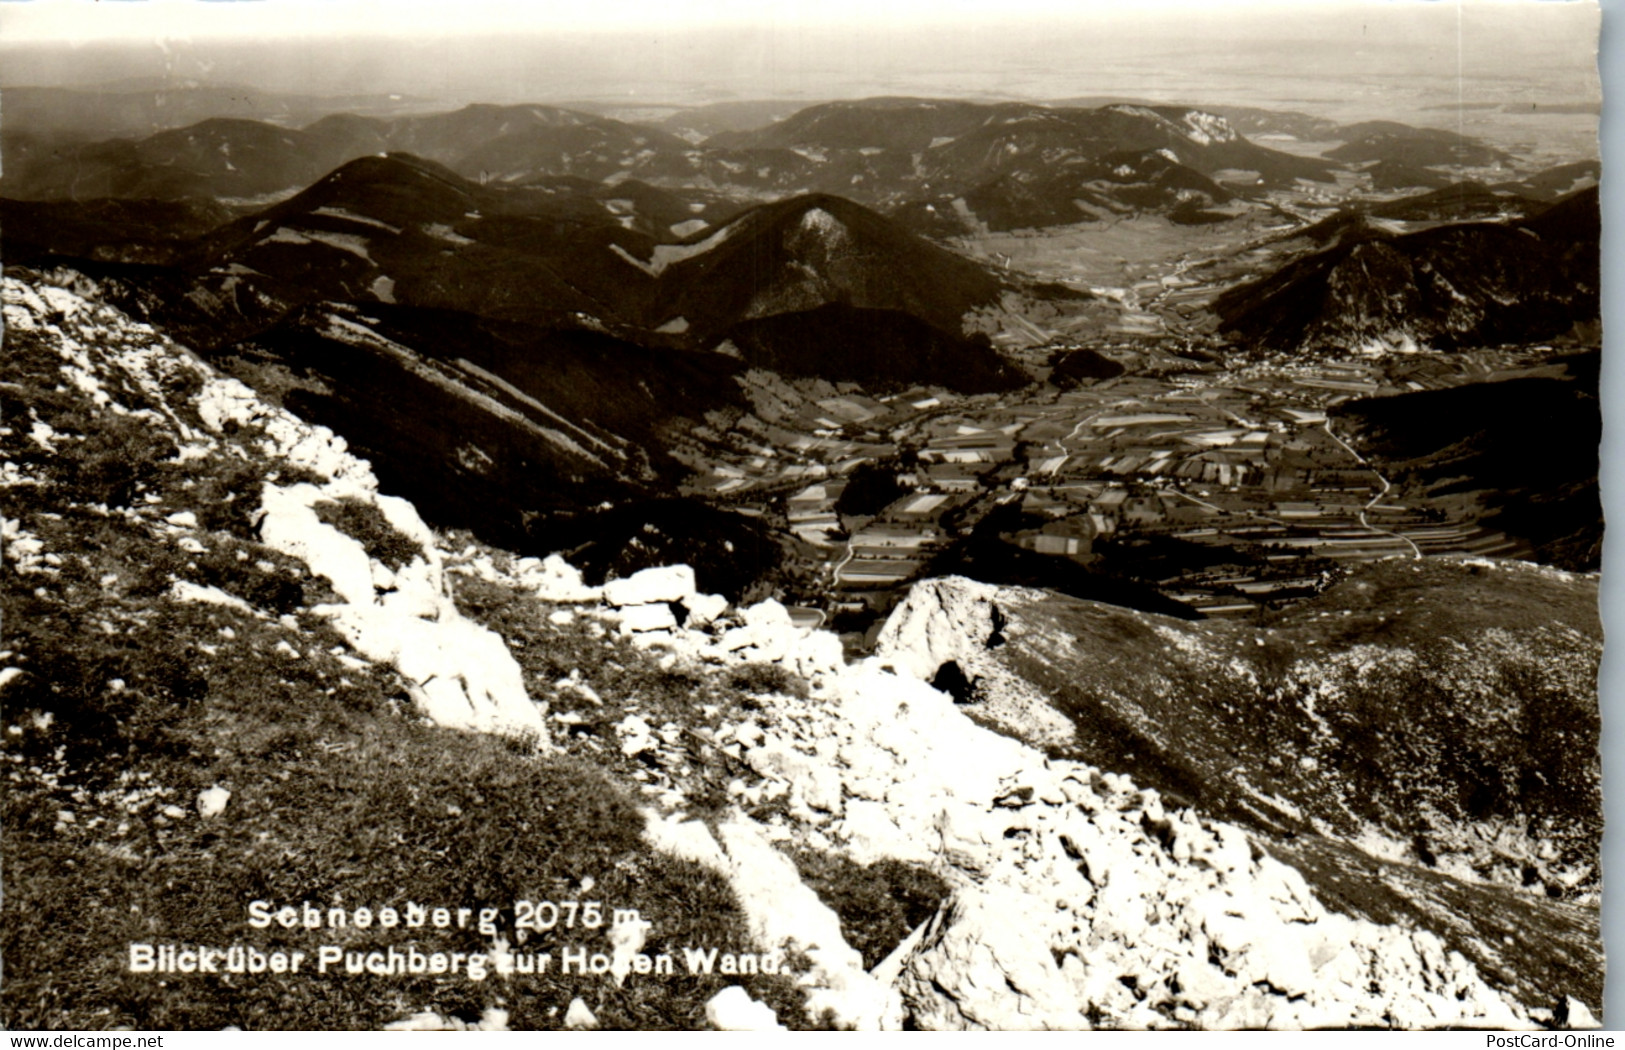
1456	202
1347	225
447	137
1418	147
1370	128
895	102
1393	174
825	223
799	254
223	126
800	205
369	197
216	138
1576	218
1036	141
395	186
877	123
595	148
815	220
536	115
1552	183
394	166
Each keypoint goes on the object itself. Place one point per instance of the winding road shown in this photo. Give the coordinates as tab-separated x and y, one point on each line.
1386	486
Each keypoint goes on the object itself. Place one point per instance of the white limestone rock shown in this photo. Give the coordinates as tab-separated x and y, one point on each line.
769	614
212	802
669	583
703	609
492	1019
463	675
655	617
820	653
939	621
871	834
985	966
383	578
466	677
552	579
578	1017
417	589
187	591
626	940
1576	1015
782	911
688	840
733	1010
292	527
636	735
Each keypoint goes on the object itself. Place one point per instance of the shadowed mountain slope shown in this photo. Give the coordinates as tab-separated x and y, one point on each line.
806	252
1469	284
1379	140
489	425
1473	442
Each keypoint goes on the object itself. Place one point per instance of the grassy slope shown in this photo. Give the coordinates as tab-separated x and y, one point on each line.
1420	699
130	701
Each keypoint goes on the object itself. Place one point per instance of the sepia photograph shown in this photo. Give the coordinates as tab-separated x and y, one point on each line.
671	516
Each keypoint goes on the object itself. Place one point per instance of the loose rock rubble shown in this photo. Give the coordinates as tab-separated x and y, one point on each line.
1081	901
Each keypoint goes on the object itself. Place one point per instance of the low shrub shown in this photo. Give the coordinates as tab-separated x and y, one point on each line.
111	464
363	521
766	678
878	904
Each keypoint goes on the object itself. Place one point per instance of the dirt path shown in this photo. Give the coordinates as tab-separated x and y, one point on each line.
1378	498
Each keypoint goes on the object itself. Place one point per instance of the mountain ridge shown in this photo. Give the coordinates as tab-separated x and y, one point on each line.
1464	284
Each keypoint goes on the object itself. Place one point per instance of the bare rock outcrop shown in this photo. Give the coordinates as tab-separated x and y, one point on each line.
785	915
733	1010
1079	899
460	674
1415	708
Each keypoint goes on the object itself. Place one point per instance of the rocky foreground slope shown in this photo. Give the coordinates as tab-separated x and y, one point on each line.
235	671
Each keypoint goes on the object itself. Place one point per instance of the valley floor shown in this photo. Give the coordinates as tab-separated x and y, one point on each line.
1238	469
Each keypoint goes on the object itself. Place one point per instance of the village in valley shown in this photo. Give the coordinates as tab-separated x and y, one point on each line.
1237	465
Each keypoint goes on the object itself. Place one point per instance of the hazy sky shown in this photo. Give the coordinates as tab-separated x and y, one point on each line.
1377	57
104	19
81	20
